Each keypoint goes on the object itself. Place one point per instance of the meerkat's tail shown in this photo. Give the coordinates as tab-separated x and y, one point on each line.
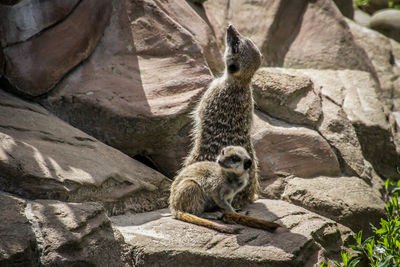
190	218
237	218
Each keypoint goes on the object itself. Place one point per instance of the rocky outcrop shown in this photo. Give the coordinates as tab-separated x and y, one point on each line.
75	234
343	199
43	157
362	18
301	34
292	98
28	18
18	244
305	240
35	66
380	51
53	233
354	121
387	22
286	149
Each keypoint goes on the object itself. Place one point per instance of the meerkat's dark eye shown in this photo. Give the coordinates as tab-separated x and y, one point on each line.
247	164
235	159
232	68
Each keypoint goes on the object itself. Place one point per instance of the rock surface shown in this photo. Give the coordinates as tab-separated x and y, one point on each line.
43	157
27	18
305	240
136	89
346	200
17	242
380	51
282	148
301	34
362	18
36	65
75	234
289	97
53	233
354	120
387	22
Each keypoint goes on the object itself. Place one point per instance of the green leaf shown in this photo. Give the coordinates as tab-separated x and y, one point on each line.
359	237
354	262
337	263
345	257
387	184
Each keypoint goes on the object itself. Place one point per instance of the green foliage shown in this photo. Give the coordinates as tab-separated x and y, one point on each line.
361	3
383	249
365	4
393	4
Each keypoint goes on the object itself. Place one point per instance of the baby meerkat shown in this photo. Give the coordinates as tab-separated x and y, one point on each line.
205	186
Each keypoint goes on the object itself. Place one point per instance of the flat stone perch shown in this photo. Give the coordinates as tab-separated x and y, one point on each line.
163	241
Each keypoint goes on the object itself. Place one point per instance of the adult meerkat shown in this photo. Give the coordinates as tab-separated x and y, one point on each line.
205	186
225	112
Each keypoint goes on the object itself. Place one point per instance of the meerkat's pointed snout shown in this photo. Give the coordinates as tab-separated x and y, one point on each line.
231	30
233	38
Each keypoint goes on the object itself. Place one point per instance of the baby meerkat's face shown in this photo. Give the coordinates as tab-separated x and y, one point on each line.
234	159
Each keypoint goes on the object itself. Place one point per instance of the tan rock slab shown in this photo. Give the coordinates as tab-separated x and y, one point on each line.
17	241
346	200
44	157
292	150
286	96
165	241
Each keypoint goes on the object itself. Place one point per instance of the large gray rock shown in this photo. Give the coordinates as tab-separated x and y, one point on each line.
302	34
18	246
306	239
362	18
27	18
193	19
346	200
289	97
293	150
354	120
136	89
380	50
75	234
35	66
387	22
43	157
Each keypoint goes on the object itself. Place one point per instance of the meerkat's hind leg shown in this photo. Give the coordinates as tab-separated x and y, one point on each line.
189	198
